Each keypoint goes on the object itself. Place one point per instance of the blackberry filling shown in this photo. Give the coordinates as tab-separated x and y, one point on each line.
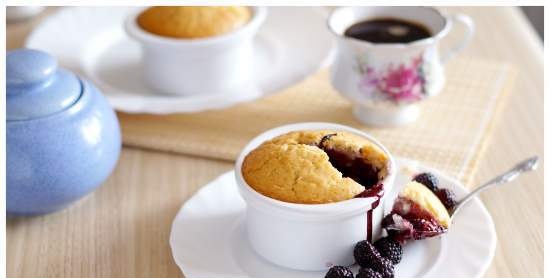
350	165
416	214
423	224
353	165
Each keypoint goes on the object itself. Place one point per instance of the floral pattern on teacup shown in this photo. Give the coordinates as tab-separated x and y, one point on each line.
400	84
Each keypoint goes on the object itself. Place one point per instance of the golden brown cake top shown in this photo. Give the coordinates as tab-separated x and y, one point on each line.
427	200
192	22
315	167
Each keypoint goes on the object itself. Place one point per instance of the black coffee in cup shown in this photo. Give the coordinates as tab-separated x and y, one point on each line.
387	30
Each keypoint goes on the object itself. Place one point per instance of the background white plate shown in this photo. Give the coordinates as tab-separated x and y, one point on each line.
208	237
292	44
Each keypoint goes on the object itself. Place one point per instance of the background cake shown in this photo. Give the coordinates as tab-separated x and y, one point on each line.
193	22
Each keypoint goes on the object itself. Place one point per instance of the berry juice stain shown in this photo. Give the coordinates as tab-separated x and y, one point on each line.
375	191
354	166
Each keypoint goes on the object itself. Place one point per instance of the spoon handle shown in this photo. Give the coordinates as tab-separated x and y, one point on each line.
510	175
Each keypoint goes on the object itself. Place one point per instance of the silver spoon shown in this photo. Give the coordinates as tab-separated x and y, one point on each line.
522	167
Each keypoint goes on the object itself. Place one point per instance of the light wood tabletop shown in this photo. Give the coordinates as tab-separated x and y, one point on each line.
122	229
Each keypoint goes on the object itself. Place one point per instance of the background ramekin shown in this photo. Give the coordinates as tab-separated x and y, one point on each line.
309	237
197	66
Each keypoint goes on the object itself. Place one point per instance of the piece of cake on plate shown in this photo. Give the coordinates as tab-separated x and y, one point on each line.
417	213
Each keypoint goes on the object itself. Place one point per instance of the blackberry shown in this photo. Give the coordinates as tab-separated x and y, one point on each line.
365	253
384	267
447	197
339	271
368	273
427	179
390	249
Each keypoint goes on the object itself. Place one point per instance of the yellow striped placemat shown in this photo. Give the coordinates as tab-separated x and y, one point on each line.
451	133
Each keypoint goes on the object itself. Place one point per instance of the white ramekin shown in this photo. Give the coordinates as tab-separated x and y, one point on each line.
309	237
197	66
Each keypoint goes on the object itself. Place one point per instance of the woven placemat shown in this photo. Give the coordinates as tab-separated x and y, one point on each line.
450	134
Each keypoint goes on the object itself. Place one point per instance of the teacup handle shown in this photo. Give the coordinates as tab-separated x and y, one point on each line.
468	35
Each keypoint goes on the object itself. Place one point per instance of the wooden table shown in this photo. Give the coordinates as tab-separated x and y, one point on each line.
122	229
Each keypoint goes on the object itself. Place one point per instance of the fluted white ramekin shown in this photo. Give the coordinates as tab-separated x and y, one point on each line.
197	66
310	237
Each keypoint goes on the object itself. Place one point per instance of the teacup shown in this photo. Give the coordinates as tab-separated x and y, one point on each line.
385	81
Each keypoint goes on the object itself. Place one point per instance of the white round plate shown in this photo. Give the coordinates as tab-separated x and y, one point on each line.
15	13
292	44
208	238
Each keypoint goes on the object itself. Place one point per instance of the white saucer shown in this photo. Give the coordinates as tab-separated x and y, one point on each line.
292	44
208	238
15	13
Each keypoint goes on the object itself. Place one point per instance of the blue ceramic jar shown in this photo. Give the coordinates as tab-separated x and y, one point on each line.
63	139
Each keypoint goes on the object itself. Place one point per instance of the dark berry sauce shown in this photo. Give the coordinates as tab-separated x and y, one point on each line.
353	167
350	165
357	168
421	224
375	191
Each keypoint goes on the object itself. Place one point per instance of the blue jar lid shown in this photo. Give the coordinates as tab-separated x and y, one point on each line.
36	87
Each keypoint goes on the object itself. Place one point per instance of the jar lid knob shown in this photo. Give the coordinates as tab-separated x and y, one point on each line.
28	66
36	87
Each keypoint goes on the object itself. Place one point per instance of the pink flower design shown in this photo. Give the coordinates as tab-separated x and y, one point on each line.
403	83
369	81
